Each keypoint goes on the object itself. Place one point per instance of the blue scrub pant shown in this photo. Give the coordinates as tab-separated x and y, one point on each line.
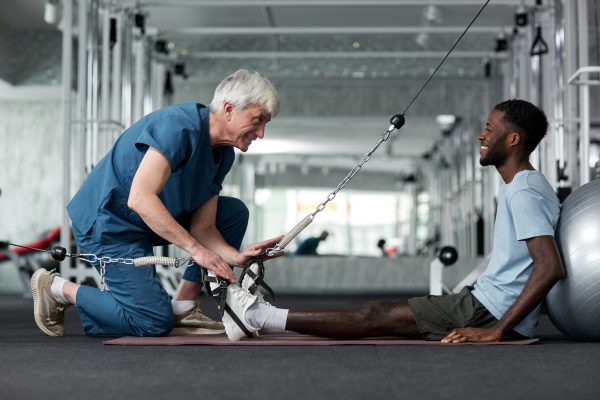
136	303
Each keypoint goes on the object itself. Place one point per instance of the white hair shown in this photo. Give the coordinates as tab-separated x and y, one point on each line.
246	88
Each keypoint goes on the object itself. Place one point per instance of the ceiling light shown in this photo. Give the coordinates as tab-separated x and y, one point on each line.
261	196
52	12
422	40
446	122
433	14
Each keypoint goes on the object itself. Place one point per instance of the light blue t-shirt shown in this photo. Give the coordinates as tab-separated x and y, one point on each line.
181	133
527	208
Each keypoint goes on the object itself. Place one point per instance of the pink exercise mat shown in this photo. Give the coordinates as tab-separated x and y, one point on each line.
284	340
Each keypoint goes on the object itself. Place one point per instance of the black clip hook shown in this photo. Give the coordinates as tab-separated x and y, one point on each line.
539	46
561	171
398	121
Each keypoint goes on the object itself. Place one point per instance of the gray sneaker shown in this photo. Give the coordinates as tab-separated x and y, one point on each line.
195	323
48	312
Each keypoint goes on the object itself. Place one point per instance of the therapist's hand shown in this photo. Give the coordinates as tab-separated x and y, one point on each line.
258	250
212	261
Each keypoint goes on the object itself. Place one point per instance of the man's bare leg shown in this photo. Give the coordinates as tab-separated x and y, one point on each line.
376	318
187	290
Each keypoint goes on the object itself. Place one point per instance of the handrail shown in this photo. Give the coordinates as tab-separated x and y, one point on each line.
585	70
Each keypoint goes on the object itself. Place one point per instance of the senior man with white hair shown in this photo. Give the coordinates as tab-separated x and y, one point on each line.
160	184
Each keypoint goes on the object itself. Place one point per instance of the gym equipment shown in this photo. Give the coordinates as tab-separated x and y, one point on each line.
27	259
445	257
574	302
59	253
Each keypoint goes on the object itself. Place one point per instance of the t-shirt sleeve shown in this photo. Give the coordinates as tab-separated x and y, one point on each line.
170	135
531	216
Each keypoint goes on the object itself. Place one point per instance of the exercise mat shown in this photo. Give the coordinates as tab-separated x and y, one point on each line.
284	340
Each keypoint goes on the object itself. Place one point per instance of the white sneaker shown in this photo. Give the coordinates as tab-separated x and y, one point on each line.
248	282
214	284
238	300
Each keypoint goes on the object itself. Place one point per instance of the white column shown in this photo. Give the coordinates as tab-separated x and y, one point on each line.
570	60
104	115
248	188
67	56
139	75
584	94
127	58
116	112
81	126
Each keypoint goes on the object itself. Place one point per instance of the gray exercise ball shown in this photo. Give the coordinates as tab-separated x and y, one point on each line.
574	302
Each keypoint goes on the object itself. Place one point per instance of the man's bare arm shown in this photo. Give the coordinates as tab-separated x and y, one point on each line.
547	270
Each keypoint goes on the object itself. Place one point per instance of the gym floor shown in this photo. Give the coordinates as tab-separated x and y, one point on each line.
35	366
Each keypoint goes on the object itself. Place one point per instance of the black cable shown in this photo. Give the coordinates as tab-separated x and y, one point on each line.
446	56
24	247
57	252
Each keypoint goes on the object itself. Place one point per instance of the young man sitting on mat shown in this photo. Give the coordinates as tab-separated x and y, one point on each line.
506	300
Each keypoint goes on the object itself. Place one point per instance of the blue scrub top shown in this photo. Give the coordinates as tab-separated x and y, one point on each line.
181	133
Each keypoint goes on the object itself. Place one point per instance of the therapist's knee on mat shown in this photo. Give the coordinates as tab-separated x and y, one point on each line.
151	328
159	323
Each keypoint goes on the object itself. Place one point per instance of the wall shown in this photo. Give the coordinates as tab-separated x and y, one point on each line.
348	274
30	168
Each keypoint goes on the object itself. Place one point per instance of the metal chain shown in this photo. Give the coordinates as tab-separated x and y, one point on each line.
102	273
92	258
102	261
384	136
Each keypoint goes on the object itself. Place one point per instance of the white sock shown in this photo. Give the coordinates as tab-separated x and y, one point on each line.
56	288
267	317
180	307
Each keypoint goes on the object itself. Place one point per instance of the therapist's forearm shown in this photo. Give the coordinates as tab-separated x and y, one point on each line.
210	237
154	213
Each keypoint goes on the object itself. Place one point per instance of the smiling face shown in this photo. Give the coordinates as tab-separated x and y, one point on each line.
245	125
494	148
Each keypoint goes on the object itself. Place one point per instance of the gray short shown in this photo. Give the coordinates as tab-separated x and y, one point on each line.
437	316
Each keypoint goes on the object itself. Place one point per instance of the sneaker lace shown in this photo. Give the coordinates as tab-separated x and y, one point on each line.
195	313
